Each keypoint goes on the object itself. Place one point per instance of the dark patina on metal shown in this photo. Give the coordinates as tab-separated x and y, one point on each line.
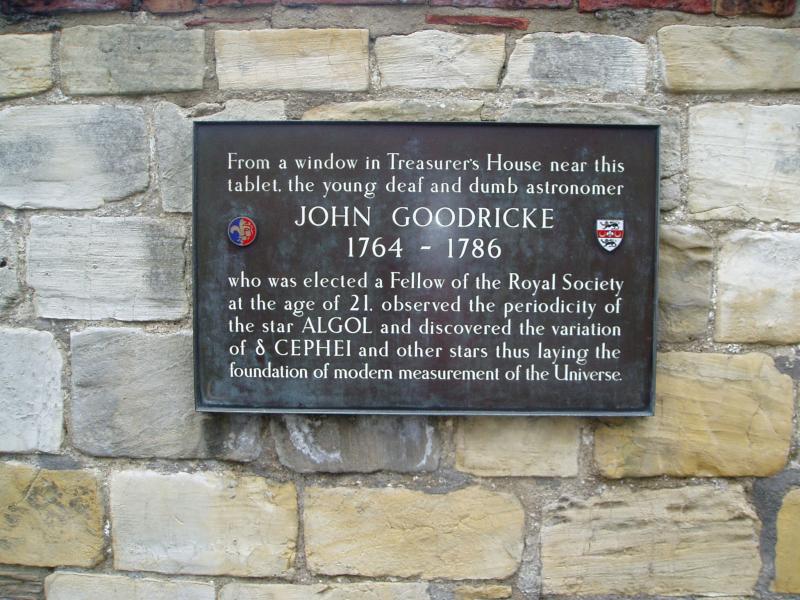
593	238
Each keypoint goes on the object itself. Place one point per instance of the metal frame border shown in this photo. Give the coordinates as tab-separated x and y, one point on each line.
205	407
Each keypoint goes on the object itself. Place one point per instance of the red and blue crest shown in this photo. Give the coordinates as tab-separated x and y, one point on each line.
242	231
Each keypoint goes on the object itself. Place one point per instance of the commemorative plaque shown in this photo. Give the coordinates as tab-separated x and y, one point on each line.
424	268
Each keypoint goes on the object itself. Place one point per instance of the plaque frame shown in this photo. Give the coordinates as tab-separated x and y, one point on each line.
206	407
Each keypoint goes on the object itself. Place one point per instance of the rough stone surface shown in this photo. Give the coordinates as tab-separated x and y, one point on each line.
533	111
356	444
22	583
128	269
513	4
169	6
691	540
354	591
686	255
482	592
717	415
71	156
203	523
131	59
468	534
174	152
771	8
84	586
728	59
293	59
174	144
585	62
52	6
437	59
49	518
244	110
758	288
25	64
133	395
31	404
9	284
787	551
519	23
398	110
690	6
499	447
743	162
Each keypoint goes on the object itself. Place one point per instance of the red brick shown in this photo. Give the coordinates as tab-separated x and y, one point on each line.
509	22
169	6
772	8
505	3
237	2
350	2
200	21
700	7
51	6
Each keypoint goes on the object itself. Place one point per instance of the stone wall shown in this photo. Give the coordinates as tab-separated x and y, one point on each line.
112	487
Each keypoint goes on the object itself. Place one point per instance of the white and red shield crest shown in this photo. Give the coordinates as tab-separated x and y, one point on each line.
610	233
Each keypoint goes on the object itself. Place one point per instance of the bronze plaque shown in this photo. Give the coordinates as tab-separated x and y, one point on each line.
425	268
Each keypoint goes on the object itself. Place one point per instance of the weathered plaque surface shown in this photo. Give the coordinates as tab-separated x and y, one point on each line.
427	268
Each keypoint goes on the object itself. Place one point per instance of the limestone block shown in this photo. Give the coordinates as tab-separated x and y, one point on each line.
174	144
131	59
586	62
670	193
84	586
519	446
678	542
49	518
293	59
743	162
685	258
22	583
353	591
25	64
356	444
9	284
31	401
717	415
133	395
468	534
398	110
758	288
483	592
437	59
71	156
203	523
787	550
128	269
729	59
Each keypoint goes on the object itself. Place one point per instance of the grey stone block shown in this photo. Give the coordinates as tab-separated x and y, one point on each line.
71	156
132	395
356	444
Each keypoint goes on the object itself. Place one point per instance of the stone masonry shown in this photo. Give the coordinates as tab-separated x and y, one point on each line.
113	487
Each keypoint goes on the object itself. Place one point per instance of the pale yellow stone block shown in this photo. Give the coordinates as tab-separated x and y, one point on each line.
25	64
693	540
787	550
472	533
293	59
717	415
49	518
518	446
